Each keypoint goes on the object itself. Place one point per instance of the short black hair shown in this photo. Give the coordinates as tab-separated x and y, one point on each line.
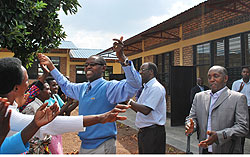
49	79
220	69
100	59
153	67
245	67
11	74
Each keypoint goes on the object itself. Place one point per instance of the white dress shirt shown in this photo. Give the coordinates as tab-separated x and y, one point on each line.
245	90
60	125
152	96
214	97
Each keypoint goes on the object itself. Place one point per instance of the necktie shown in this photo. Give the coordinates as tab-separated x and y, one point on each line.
139	93
88	88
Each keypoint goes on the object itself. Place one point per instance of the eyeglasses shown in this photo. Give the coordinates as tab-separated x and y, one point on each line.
91	64
142	70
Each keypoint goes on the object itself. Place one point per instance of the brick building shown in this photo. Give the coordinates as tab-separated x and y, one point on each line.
215	32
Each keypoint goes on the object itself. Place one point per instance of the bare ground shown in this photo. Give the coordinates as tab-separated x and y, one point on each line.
126	142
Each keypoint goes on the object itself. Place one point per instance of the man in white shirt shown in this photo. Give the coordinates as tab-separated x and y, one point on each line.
151	112
243	86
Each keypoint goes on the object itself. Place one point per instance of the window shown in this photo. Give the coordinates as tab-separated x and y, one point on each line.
80	70
163	62
137	63
107	72
203	60
56	62
35	70
234	52
219	54
203	54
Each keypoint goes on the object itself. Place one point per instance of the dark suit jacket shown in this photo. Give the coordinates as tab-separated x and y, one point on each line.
194	90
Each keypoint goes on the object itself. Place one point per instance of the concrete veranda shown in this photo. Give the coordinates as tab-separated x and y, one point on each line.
175	135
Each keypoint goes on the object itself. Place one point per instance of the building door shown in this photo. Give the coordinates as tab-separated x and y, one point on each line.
182	80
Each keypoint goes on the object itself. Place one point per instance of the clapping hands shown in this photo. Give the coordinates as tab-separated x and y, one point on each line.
44	114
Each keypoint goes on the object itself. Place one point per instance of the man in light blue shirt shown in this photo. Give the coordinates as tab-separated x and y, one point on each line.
98	96
243	86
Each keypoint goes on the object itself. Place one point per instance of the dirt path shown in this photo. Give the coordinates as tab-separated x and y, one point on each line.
126	142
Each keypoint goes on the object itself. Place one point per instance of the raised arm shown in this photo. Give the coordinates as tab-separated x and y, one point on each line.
120	91
70	89
118	46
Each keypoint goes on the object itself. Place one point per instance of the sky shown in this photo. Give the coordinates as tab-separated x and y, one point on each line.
97	22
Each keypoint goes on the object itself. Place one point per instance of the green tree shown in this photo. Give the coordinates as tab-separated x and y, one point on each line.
30	26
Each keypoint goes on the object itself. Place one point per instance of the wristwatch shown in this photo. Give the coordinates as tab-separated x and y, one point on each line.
125	63
130	100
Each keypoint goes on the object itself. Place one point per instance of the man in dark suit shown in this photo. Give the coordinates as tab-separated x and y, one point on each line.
198	88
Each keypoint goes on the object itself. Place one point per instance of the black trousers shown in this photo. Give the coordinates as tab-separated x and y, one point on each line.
152	140
205	151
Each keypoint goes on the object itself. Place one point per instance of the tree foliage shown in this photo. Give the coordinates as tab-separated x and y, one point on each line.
29	26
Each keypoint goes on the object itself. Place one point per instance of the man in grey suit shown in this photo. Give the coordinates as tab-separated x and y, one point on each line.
220	116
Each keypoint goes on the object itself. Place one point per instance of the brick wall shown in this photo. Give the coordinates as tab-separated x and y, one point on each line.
215	20
149	59
63	65
188	56
72	73
176	57
168	99
151	43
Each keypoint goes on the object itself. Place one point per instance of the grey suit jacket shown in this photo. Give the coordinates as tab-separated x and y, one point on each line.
229	118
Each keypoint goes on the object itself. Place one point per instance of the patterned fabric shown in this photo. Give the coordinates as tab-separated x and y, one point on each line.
34	91
39	146
88	88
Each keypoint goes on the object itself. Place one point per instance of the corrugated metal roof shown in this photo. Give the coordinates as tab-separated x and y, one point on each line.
83	53
67	45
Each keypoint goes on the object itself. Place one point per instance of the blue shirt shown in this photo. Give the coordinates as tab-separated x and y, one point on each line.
117	91
55	98
245	90
102	97
14	145
95	102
